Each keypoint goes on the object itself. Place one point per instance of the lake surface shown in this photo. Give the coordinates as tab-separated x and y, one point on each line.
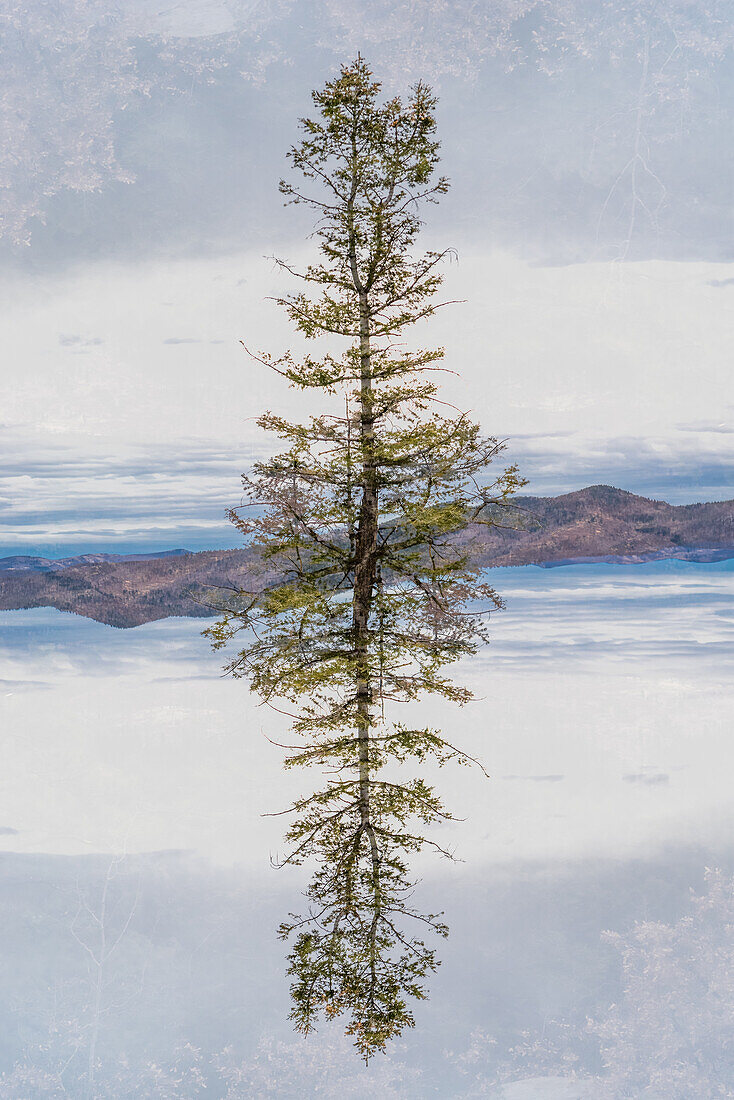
135	779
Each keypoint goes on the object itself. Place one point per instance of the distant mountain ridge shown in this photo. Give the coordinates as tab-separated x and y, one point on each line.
599	523
26	563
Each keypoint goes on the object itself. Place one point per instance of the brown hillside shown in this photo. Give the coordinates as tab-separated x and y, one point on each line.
599	521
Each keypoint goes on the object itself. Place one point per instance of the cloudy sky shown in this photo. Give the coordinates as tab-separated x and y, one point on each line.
591	203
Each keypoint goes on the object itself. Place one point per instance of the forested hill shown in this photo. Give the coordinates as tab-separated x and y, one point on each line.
599	522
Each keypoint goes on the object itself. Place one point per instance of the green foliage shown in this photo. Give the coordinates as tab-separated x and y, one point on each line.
366	590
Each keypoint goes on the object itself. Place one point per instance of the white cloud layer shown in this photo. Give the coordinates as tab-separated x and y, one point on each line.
131	740
131	403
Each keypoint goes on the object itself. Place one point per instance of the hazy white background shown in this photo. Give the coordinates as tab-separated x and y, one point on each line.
589	146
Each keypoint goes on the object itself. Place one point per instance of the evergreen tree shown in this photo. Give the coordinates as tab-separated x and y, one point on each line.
363	527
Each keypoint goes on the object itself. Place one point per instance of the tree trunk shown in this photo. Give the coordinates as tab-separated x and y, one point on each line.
365	567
